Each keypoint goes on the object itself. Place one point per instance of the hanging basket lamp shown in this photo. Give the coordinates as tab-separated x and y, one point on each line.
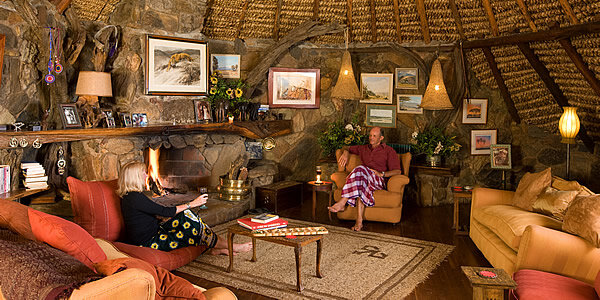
436	96
345	87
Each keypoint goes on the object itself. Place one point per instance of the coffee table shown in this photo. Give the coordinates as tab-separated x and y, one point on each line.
297	243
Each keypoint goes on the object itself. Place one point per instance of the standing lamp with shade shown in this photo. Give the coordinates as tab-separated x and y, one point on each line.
90	86
436	96
568	125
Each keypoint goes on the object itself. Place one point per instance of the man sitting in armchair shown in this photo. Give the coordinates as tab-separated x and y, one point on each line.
379	161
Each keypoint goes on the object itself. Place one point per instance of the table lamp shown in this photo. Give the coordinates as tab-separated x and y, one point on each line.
90	86
568	125
318	181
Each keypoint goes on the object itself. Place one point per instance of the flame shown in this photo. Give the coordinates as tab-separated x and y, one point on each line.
152	166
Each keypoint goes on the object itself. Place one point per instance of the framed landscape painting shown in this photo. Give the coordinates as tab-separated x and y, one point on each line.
500	156
176	66
381	115
409	104
296	88
482	141
228	65
376	88
407	78
475	111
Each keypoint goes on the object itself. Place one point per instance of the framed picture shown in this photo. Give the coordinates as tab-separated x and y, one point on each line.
407	78
176	66
376	88
139	119
69	115
409	104
296	88
254	149
202	111
126	119
482	140
500	156
475	111
227	64
109	118
381	115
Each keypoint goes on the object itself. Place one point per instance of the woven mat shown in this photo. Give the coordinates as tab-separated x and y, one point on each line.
355	265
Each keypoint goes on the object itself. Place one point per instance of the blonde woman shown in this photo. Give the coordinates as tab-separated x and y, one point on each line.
183	229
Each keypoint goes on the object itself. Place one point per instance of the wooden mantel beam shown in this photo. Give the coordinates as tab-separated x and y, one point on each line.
554	89
423	19
510	104
547	35
583	68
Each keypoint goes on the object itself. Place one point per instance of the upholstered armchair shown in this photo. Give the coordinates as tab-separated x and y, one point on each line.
388	203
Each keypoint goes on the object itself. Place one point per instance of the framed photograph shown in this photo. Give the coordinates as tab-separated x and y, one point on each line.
295	88
376	88
126	119
482	140
475	111
202	111
381	115
407	78
227	64
139	120
108	113
176	66
409	104
69	115
254	149
500	156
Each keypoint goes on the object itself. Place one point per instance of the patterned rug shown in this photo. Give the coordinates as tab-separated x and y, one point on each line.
355	265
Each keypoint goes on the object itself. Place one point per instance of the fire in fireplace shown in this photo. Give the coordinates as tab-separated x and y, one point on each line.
176	170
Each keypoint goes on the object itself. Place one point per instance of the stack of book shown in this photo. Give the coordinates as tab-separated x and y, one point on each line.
4	178
263	222
34	176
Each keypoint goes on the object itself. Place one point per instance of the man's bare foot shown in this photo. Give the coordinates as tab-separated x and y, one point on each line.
337	207
245	247
357	227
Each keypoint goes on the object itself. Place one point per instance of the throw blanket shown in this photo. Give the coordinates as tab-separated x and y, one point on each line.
361	183
32	270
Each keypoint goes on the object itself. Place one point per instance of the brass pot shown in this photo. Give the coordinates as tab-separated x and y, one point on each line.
233	189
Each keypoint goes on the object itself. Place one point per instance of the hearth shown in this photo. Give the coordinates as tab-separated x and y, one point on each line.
176	170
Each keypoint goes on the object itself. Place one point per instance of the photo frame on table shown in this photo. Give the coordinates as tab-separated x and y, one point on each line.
176	66
482	140
475	111
381	115
376	88
228	65
409	104
500	156
126	119
407	78
139	119
202	111
69	115
295	88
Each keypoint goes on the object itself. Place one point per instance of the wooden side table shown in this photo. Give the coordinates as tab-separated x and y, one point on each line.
455	223
325	186
488	288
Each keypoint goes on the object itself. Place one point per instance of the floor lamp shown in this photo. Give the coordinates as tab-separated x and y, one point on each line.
568	125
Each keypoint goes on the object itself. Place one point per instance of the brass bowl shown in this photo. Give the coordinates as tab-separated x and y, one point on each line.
233	189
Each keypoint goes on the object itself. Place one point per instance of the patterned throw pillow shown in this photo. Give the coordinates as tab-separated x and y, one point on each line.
530	186
554	203
582	218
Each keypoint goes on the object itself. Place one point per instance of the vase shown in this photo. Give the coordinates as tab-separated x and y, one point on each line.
433	160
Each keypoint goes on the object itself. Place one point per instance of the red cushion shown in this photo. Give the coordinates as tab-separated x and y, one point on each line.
65	236
168	285
533	284
169	260
97	208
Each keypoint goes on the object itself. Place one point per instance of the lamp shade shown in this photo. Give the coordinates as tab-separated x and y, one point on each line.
92	83
568	125
436	97
345	87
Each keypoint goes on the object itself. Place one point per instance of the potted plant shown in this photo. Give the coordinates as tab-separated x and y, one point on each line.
338	134
226	97
434	144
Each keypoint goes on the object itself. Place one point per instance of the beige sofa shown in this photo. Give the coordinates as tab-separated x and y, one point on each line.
512	238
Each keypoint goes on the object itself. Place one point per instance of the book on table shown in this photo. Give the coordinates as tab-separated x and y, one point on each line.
247	223
35	179
264	218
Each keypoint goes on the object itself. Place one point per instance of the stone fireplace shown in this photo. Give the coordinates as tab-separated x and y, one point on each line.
180	169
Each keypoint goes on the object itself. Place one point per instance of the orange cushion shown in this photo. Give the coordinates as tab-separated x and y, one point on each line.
97	208
65	236
534	285
13	216
530	186
169	260
583	218
168	285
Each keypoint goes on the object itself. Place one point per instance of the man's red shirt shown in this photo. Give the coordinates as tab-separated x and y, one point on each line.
382	158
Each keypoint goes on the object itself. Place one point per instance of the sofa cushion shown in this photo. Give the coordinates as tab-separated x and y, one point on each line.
565	185
508	222
13	216
97	208
583	218
530	186
169	260
534	285
553	202
66	236
167	284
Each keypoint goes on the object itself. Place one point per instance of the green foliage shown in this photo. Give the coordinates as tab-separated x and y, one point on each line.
433	141
337	135
229	90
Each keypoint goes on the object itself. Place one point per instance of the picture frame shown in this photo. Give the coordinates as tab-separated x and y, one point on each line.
409	104
481	141
475	111
139	120
228	65
202	111
175	66
109	118
376	88
381	116
126	119
500	156
407	78
294	88
69	115
254	149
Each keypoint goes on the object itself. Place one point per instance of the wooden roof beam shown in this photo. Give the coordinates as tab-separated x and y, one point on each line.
526	15
510	104
241	20
316	9
349	17
569	11
581	65
546	35
554	89
397	17
277	17
490	15
457	19
373	23
423	18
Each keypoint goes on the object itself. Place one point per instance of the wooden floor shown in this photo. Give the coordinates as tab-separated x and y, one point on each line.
425	223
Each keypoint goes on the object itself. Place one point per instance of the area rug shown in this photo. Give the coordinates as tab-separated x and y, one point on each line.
355	265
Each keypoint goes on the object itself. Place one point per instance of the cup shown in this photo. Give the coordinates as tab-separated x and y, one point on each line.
203	191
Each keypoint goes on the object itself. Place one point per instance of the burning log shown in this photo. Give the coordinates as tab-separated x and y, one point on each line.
156	187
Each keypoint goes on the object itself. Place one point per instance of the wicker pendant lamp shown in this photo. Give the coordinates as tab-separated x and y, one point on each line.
436	96
345	87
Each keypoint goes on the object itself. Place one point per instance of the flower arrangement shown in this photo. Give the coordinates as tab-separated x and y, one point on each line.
229	90
432	141
338	135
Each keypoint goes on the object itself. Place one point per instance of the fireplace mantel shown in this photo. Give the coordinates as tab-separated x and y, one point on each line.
250	129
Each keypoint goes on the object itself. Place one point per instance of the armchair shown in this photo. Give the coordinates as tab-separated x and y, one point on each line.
388	203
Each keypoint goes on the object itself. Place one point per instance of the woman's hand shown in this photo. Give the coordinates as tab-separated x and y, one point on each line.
201	200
